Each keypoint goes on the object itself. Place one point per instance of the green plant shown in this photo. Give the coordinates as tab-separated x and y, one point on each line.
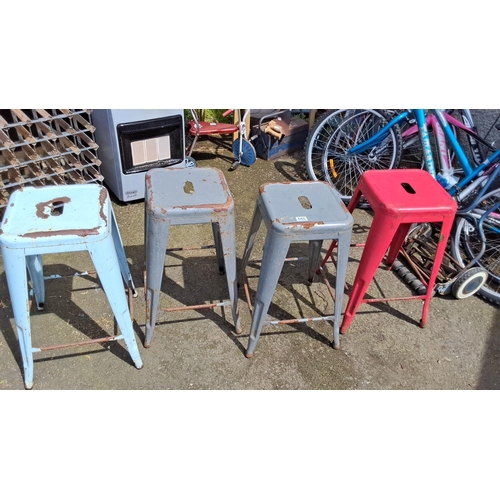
210	115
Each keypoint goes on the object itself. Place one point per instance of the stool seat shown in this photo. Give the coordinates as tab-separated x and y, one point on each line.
406	193
300	207
398	198
298	211
48	217
59	219
179	196
185	193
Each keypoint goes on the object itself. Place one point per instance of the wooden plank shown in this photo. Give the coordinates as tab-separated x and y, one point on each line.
36	170
68	144
73	162
50	148
30	153
15	176
65	126
21	115
5	141
3	122
54	166
45	130
91	158
44	114
85	124
92	173
9	157
87	140
25	133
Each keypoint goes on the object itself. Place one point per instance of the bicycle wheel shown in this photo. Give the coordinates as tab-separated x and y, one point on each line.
327	150
317	139
466	244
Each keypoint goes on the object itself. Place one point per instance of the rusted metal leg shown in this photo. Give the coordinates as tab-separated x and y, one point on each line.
314	255
156	246
274	255
15	270
35	268
122	258
344	245
254	228
218	247
107	265
227	237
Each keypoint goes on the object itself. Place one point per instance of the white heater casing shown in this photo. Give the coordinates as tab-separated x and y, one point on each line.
133	141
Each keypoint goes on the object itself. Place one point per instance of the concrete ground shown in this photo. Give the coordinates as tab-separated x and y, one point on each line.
385	348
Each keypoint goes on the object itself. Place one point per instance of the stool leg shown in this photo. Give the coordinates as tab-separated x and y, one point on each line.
377	243
35	268
218	247
351	207
15	271
274	255
314	255
438	258
156	246
396	243
107	265
227	238
252	234
120	252
344	243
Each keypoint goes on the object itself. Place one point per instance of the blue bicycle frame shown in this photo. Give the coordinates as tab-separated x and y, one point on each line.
470	172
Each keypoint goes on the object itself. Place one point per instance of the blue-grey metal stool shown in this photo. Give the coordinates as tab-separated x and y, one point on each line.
59	219
182	196
297	211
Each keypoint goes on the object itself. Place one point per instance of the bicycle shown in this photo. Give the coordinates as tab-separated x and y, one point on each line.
328	153
475	183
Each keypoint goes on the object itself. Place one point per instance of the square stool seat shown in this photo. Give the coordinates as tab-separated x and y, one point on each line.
60	219
41	218
185	193
300	208
406	194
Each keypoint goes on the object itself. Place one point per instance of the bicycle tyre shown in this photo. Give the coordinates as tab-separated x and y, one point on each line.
465	245
317	139
338	131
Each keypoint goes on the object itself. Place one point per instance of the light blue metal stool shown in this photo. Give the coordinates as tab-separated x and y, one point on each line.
297	211
187	196
58	219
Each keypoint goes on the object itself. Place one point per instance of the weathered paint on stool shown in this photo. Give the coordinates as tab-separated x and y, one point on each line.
59	219
182	196
298	211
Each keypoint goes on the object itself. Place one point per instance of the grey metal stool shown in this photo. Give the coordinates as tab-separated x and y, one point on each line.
299	211
187	196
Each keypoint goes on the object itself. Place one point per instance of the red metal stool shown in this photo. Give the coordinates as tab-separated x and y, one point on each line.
399	198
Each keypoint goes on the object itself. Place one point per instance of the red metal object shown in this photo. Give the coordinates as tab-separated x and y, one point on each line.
399	198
